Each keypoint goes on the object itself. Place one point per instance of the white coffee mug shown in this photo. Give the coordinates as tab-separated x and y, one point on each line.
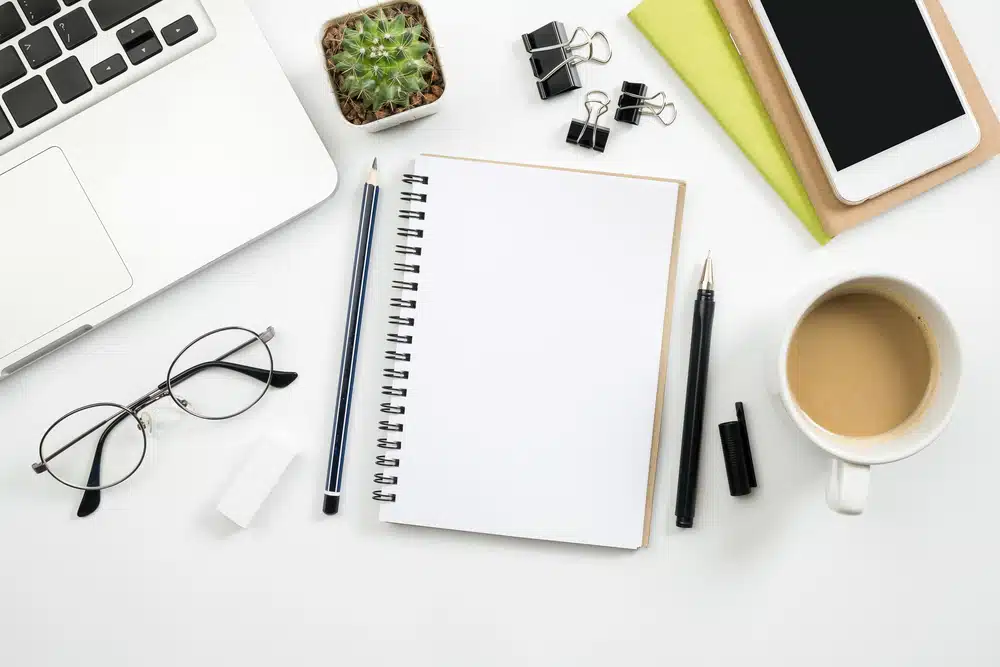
847	490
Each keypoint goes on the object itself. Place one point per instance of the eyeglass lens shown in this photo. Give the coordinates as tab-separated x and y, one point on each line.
118	445
209	380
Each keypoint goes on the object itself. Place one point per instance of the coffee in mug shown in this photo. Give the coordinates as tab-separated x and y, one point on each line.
860	364
868	367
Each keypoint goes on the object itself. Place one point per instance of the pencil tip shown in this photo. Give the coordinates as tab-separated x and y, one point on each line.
375	163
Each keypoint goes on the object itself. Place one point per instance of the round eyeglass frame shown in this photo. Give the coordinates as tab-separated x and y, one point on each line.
122	413
183	405
164	390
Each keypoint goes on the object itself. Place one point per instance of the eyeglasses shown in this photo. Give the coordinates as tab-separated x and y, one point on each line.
100	445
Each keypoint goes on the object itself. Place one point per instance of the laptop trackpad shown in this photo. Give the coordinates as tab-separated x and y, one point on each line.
56	260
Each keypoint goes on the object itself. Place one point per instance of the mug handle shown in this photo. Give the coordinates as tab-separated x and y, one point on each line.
847	491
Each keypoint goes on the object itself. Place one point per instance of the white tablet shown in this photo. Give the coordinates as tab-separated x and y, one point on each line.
874	87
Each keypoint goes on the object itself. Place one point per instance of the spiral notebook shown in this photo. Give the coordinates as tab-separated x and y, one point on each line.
531	312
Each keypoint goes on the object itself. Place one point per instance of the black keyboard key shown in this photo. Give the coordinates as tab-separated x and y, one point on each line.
144	51
29	101
110	13
40	48
37	11
75	28
108	69
179	30
69	80
135	33
5	129
139	41
11	67
11	24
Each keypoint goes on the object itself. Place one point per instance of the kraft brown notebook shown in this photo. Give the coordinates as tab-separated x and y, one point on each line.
835	215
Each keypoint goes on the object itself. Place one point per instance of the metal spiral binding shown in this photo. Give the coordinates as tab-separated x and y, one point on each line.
406	268
403	316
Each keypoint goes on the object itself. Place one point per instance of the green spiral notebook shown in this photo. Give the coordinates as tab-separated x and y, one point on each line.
690	34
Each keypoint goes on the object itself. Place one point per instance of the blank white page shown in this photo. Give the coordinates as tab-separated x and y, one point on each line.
532	388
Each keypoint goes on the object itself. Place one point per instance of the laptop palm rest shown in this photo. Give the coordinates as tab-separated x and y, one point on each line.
57	261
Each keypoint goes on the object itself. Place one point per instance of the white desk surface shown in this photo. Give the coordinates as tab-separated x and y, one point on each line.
156	577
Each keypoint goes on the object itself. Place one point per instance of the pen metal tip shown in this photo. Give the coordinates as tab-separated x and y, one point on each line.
708	275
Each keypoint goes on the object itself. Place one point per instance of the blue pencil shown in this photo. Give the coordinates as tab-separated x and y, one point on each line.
352	336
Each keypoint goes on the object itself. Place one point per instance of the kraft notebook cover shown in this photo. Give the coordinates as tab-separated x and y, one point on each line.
528	358
694	40
837	216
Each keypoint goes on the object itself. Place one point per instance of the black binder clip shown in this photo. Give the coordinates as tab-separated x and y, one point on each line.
553	60
591	135
634	103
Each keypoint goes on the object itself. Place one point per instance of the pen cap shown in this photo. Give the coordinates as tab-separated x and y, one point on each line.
732	452
741	417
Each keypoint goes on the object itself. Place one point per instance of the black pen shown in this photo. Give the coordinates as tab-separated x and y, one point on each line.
694	404
352	337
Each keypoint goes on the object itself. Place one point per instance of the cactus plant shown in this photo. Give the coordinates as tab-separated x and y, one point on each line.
382	61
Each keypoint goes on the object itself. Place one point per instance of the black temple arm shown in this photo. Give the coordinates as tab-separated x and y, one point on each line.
279	379
92	497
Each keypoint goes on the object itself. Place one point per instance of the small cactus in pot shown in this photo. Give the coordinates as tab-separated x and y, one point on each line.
383	61
382	65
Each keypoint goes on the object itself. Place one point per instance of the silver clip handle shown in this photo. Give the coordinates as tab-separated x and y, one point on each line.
605	104
576	59
649	107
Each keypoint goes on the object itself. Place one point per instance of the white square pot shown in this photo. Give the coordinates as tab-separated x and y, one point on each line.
413	113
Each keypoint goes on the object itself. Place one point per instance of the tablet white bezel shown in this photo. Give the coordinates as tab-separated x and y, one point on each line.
894	166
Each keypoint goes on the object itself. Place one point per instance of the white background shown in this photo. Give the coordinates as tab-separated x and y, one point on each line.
156	577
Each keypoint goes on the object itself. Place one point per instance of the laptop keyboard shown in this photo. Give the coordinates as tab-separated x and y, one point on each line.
59	57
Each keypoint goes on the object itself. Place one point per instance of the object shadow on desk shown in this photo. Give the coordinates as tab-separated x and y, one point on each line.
489	542
216	525
371	526
790	470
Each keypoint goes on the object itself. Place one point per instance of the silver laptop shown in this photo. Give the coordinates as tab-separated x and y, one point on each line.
140	140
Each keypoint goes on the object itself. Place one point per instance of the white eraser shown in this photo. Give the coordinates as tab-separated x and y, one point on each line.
255	479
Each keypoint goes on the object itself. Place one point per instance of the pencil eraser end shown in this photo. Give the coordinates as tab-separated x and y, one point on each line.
331	505
256	478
